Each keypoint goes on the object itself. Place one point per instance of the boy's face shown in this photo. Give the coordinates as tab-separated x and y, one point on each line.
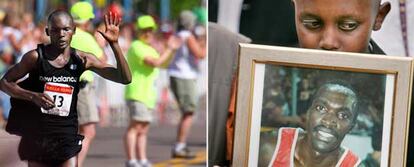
60	30
339	25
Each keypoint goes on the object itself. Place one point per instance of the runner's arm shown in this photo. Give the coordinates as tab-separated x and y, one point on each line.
120	74
110	32
9	85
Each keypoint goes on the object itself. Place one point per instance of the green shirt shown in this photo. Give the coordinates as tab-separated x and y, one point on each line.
85	42
142	87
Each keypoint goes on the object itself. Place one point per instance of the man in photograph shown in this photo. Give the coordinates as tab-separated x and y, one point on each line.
331	116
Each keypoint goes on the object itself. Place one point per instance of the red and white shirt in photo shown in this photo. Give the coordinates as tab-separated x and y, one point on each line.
284	153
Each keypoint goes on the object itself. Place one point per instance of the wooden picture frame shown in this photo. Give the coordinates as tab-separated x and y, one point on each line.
366	72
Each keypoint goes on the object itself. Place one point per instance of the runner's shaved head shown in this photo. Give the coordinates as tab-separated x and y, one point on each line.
59	13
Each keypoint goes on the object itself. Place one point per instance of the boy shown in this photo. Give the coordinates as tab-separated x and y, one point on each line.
47	98
340	25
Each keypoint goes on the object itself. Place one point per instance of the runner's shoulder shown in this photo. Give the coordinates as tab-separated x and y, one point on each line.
30	58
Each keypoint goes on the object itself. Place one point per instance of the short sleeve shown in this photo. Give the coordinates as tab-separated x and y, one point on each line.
135	53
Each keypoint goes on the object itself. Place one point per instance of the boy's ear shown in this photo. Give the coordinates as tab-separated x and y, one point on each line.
382	12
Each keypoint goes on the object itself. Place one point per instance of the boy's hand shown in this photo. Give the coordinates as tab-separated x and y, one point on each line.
111	30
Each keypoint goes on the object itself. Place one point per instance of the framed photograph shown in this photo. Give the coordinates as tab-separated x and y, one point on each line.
302	107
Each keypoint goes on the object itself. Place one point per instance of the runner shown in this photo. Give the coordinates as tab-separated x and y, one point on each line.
45	102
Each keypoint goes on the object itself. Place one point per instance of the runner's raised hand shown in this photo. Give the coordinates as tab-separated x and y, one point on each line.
111	30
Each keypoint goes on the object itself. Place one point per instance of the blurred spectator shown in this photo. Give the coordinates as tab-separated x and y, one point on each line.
167	30
32	35
141	96
6	51
13	35
305	93
183	73
82	12
9	34
276	112
126	35
40	33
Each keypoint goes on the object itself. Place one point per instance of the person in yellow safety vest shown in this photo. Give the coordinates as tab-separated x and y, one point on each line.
140	95
82	12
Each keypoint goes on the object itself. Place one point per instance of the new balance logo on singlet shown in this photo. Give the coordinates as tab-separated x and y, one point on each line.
58	79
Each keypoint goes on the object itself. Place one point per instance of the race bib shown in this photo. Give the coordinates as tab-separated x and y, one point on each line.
62	97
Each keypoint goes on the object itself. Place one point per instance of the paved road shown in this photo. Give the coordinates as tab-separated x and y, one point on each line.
107	149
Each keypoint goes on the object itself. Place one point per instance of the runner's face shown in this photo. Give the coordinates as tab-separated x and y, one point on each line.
331	117
60	30
340	25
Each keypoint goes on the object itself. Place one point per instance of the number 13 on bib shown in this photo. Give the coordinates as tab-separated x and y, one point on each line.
61	95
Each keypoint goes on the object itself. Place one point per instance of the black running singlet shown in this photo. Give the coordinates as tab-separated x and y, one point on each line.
62	85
